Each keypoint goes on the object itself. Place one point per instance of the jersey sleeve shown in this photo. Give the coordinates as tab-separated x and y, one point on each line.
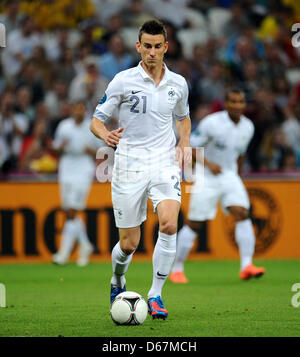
111	99
181	109
247	141
201	135
58	136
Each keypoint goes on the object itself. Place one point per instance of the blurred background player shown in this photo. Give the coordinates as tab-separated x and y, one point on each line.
147	97
76	148
225	136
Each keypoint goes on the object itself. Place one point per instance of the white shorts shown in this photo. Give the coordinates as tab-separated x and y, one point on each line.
74	194
129	199
227	188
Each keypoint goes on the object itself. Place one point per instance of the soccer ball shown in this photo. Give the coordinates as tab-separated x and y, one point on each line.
129	308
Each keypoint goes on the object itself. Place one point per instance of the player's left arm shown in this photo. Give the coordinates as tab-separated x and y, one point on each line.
183	151
241	157
240	162
183	126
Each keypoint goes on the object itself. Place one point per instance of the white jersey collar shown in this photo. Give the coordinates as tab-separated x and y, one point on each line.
146	76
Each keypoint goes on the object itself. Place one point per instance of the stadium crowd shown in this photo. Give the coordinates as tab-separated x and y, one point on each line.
59	51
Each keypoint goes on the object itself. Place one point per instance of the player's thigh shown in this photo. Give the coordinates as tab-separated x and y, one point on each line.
203	204
165	187
235	195
167	211
74	194
129	201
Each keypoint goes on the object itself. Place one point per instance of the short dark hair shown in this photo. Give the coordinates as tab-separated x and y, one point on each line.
235	90
153	27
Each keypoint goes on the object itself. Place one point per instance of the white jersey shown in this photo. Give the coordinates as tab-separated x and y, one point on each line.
75	164
222	139
146	113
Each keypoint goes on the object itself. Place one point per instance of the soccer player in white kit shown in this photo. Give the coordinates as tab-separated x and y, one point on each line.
225	136
76	147
148	97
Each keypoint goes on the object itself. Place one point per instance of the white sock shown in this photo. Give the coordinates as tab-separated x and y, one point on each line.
68	237
120	263
185	241
163	258
81	232
245	238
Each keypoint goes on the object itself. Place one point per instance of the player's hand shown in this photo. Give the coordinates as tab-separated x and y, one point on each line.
215	168
113	137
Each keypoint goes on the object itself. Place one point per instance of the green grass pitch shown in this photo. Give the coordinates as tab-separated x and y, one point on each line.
47	300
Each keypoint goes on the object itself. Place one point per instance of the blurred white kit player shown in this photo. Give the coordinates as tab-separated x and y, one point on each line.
225	136
77	147
148	97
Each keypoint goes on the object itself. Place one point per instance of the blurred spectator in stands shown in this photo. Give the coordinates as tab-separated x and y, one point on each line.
20	46
284	43
237	21
56	96
295	5
211	87
88	85
11	17
30	78
48	14
199	60
183	67
264	113
251	79
169	10
43	66
291	130
288	161
241	48
116	59
82	51
65	111
135	14
281	89
114	27
174	52
273	148
275	62
64	67
105	9
13	129
279	15
23	103
35	153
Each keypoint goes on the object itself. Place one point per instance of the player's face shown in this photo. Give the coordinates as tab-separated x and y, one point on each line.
152	49
235	105
78	111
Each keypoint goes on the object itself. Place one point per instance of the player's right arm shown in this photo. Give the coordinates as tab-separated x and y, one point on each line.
111	138
60	141
108	104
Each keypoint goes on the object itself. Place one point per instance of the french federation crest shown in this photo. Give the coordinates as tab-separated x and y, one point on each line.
171	94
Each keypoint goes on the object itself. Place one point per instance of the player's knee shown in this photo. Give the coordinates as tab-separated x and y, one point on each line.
71	213
168	227
194	225
241	214
128	247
